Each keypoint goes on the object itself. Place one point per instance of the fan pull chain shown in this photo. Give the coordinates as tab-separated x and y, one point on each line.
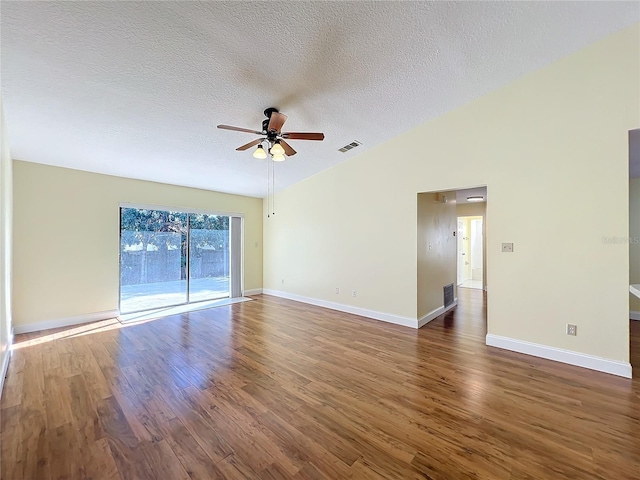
268	186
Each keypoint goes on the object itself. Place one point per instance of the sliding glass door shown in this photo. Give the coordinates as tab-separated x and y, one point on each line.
209	257
171	258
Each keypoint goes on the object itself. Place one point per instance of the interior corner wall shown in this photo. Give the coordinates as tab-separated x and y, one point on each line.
634	241
66	237
543	145
6	180
477	209
436	251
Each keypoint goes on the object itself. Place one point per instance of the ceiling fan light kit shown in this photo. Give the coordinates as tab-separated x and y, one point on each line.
260	153
277	149
272	133
274	136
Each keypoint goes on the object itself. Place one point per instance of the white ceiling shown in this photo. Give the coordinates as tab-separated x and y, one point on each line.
462	195
136	89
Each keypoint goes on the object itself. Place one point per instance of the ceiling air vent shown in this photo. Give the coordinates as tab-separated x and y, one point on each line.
348	147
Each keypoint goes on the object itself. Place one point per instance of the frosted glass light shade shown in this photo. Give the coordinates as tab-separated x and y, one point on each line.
260	153
277	149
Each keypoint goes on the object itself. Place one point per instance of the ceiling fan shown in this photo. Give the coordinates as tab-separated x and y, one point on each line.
271	132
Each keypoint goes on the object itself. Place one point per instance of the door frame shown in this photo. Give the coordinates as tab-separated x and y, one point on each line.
187	210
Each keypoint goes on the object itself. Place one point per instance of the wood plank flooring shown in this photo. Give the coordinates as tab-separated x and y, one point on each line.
274	389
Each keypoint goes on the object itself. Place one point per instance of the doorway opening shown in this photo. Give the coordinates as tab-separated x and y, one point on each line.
470	252
634	249
170	258
439	215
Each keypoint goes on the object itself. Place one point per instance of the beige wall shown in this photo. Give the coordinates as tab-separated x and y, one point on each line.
477	209
544	145
471	209
436	265
634	245
66	237
5	246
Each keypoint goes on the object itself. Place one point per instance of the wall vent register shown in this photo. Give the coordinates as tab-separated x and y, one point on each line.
350	146
448	295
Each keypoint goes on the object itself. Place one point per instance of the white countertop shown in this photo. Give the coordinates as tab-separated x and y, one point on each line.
635	289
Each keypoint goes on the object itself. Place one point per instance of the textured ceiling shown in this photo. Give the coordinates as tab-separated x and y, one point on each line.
461	195
136	89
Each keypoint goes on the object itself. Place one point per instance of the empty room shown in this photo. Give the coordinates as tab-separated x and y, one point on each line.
319	240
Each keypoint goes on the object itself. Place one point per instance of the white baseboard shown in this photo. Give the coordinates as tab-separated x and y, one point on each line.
422	321
634	315
65	322
253	291
5	362
385	317
592	362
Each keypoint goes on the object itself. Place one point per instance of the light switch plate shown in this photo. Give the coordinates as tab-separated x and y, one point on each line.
507	247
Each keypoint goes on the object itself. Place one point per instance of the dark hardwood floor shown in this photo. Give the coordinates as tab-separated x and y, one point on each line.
274	389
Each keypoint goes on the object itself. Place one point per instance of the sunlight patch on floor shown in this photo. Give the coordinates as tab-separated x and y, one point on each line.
163	312
120	322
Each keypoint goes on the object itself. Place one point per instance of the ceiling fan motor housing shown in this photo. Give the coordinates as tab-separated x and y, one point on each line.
265	122
269	111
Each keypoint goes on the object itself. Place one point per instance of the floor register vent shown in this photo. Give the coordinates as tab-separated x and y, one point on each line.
448	295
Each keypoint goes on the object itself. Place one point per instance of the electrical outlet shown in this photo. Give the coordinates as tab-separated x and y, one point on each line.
507	248
337	290
572	329
354	293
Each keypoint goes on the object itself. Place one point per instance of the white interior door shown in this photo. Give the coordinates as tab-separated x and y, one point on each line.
476	259
461	250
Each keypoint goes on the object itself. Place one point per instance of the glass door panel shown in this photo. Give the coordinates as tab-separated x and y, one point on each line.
209	257
153	259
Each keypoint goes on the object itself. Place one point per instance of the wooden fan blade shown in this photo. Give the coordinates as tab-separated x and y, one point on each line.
239	129
287	149
303	136
250	144
276	121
